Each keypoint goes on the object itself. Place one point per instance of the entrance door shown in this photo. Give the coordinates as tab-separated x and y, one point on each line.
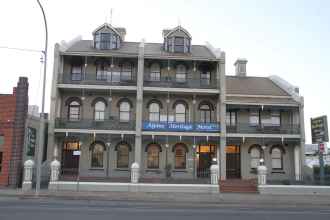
70	162
205	154
233	161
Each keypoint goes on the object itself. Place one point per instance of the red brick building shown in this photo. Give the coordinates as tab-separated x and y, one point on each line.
13	113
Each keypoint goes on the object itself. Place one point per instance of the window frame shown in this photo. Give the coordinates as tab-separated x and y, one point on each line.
181	73
280	158
126	68
155	72
254	158
179	47
99	112
76	76
155	113
184	114
232	116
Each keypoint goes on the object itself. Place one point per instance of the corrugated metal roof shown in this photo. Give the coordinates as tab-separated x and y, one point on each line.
132	48
253	86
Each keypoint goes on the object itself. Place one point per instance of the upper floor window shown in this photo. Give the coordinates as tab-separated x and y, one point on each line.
181	73
155	72
124	111
205	77
180	112
205	113
99	110
126	71
76	72
74	111
254	117
271	118
154	112
231	118
105	41
103	71
179	44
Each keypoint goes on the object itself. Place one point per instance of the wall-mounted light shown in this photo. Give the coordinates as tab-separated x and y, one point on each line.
122	136
168	65
167	145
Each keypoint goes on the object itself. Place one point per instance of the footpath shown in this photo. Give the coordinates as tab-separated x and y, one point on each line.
239	199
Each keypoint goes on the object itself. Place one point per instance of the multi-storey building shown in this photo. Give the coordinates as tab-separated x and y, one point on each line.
170	108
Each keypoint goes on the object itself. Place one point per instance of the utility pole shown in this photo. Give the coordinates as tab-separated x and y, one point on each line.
42	114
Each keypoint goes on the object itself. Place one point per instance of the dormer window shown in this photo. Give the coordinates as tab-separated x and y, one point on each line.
107	37
177	40
179	45
106	41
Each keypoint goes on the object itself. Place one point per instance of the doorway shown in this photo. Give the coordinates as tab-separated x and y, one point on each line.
233	161
70	161
205	154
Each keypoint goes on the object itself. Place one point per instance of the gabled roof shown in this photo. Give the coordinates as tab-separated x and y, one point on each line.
168	32
119	31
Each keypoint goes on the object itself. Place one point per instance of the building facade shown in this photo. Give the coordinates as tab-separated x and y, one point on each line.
13	111
171	108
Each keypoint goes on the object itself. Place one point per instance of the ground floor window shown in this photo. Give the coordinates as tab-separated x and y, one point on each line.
153	156
97	155
122	155
180	156
277	158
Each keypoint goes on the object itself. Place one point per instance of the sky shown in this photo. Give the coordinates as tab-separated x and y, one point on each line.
287	38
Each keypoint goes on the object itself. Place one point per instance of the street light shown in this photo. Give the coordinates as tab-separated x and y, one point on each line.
42	114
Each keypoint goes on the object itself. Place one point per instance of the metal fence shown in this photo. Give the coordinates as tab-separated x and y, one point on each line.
264	128
180	82
110	124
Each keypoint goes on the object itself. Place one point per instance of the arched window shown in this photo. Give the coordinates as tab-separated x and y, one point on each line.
154	112
180	113
277	158
153	156
255	154
99	110
122	155
181	74
126	72
180	151
74	111
155	72
205	113
124	111
97	155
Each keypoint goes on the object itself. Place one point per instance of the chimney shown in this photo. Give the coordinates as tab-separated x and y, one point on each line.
240	67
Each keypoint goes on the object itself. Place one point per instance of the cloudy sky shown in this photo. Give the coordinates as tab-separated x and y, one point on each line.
288	38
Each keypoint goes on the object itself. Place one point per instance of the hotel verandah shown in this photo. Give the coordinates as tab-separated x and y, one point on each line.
171	108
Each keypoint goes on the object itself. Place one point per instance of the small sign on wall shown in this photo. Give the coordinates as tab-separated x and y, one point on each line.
76	153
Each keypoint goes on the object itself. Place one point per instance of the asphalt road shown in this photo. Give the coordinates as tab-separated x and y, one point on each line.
51	209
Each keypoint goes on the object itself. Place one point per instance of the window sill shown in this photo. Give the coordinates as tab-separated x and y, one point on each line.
158	171
179	171
96	169
278	171
122	169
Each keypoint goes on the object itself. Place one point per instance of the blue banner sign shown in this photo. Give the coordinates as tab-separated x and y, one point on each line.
179	126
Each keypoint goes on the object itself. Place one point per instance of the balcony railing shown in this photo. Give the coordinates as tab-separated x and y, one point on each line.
93	79
264	128
172	82
109	124
180	126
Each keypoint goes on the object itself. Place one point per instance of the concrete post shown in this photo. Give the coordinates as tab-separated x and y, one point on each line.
297	167
28	173
214	174
262	175
135	169
54	174
139	105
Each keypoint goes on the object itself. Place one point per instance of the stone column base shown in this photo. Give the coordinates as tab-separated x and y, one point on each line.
27	186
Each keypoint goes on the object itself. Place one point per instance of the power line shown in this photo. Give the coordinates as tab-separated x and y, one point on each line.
21	49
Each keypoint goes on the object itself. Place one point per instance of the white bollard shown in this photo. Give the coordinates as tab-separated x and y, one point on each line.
135	169
28	173
262	175
214	174
55	166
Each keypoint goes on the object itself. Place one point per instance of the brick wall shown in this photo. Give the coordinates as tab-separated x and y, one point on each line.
7	117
